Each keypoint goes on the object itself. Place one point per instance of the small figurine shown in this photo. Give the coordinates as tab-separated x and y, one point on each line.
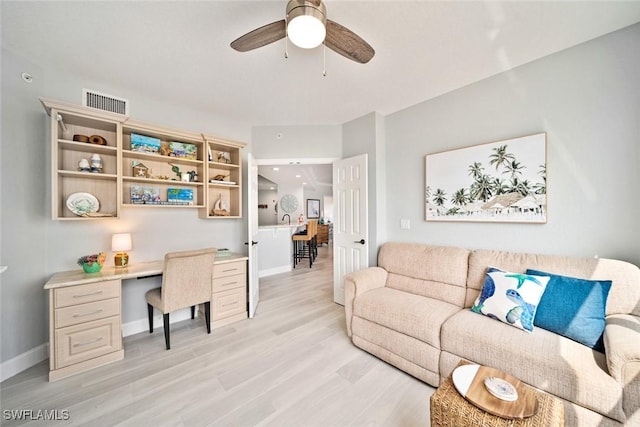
96	163
83	165
220	208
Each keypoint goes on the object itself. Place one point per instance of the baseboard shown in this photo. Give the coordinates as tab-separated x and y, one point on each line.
37	354
24	361
275	270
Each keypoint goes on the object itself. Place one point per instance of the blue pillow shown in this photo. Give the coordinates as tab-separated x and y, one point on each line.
574	308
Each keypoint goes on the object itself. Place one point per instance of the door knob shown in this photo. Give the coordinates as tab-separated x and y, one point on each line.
252	243
361	241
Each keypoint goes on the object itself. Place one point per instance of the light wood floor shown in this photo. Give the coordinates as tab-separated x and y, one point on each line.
292	365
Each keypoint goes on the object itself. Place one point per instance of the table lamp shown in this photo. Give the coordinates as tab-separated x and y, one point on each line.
120	243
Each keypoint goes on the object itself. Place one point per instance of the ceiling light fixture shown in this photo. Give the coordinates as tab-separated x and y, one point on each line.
306	23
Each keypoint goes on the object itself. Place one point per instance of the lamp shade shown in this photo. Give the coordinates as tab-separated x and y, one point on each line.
306	24
121	242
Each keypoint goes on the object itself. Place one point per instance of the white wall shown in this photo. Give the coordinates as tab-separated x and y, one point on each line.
587	99
291	142
34	246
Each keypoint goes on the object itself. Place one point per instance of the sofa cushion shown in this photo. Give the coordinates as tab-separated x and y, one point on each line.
407	353
574	308
511	298
542	359
438	272
623	297
413	315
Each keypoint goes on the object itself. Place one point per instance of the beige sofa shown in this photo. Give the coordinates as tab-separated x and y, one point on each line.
412	311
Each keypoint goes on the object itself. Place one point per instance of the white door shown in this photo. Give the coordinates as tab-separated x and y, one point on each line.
350	225
252	216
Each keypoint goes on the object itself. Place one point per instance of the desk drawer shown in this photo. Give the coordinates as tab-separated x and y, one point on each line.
73	295
230	282
81	313
86	341
229	269
228	303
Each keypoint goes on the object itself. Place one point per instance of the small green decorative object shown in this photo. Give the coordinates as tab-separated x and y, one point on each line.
93	267
92	263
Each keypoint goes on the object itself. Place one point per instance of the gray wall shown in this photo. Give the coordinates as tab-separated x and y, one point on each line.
587	99
365	135
34	246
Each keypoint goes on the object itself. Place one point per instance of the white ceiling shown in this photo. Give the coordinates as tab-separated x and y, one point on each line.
181	50
312	177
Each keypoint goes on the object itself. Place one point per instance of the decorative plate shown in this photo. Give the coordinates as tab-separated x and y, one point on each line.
82	203
463	376
289	203
501	389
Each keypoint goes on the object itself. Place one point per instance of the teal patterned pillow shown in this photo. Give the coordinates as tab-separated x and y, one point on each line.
511	298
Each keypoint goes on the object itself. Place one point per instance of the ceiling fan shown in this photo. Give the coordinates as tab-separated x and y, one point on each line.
307	26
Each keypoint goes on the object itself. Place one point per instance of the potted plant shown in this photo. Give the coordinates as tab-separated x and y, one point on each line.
92	263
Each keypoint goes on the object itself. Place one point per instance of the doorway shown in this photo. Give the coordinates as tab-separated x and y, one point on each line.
285	190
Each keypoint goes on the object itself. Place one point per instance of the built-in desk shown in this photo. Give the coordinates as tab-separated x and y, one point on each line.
85	317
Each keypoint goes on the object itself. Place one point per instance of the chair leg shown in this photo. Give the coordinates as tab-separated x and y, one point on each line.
193	312
295	250
165	318
310	247
150	311
207	315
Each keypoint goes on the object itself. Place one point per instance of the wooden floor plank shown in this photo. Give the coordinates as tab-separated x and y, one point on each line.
291	365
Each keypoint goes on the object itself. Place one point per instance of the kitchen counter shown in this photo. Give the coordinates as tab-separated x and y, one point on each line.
275	248
264	227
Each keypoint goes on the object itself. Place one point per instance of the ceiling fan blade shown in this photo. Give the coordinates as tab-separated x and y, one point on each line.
260	36
347	43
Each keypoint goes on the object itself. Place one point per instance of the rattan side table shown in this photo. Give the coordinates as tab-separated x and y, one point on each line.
450	409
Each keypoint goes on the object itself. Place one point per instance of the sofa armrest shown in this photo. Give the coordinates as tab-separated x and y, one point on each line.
359	282
622	348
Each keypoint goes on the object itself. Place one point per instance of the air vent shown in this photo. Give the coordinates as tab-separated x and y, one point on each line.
102	101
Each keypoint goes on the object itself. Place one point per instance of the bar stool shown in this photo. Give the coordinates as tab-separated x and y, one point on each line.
304	244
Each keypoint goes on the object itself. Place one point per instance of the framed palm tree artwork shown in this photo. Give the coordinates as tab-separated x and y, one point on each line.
504	181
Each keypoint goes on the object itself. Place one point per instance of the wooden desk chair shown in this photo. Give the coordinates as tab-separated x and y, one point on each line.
186	282
304	244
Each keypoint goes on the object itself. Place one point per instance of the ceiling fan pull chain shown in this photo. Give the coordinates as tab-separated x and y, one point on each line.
324	60
286	43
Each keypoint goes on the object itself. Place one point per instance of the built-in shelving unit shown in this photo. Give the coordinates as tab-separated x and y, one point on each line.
66	154
224	178
213	166
161	177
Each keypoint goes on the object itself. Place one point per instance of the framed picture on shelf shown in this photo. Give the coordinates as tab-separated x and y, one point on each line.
144	195
145	144
503	181
313	208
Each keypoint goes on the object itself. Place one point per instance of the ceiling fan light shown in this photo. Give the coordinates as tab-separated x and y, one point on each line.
306	23
306	31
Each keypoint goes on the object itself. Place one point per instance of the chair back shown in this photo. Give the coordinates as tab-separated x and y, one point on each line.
187	278
312	227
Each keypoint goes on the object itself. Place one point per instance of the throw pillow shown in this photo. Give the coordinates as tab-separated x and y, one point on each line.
511	298
574	308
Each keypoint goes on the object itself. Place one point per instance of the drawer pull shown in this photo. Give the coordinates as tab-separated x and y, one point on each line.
81	344
88	314
230	303
87	295
231	269
228	283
